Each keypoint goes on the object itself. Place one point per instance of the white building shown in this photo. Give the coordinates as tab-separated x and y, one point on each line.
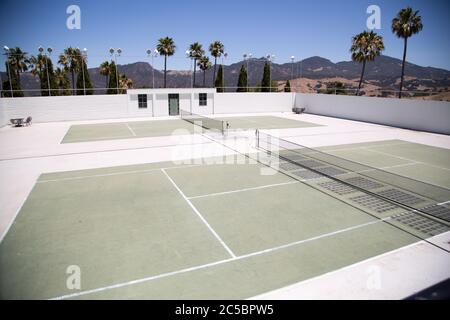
165	102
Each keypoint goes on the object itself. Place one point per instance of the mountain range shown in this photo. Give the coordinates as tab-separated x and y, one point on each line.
384	73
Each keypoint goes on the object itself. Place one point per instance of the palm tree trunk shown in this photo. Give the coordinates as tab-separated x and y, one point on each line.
403	68
362	75
73	82
107	81
204	75
214	74
165	69
195	68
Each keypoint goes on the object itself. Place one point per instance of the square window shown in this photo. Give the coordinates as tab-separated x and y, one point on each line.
142	101
203	99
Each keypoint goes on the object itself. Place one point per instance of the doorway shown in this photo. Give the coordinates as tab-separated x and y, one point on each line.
174	104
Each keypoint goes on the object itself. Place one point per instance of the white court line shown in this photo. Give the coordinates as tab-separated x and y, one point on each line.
131	130
398	165
164	275
96	139
115	173
200	216
444	202
387	167
243	189
403	158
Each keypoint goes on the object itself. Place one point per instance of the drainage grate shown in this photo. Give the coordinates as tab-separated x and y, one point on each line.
420	223
373	203
337	187
307	175
311	163
289	166
294	157
400	196
330	171
438	211
364	183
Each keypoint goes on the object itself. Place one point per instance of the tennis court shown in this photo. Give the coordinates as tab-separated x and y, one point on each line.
207	231
141	129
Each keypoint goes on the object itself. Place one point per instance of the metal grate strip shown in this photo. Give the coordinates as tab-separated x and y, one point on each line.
438	211
364	183
373	203
330	171
400	196
337	187
307	175
420	223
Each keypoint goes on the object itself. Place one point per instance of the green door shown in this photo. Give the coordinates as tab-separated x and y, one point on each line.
174	104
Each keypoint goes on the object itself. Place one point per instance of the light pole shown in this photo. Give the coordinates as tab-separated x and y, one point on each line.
245	60
41	50
247	57
9	70
188	55
82	68
118	52
270	58
225	55
248	69
152	53
292	69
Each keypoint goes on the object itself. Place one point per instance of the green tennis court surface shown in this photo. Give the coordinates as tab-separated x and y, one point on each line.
166	231
141	129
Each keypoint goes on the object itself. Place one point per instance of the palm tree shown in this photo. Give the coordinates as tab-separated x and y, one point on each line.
365	47
62	81
216	49
196	52
18	61
70	60
37	65
204	64
166	47
404	25
104	71
124	83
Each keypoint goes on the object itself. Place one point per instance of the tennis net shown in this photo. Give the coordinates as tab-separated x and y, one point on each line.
409	193
204	122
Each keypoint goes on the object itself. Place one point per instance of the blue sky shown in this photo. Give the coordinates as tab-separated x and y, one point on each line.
284	28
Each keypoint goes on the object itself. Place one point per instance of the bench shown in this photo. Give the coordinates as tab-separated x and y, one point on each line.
298	110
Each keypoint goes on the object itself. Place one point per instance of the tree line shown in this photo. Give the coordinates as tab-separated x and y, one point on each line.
54	82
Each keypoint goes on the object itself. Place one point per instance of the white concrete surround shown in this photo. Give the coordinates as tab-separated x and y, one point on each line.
423	115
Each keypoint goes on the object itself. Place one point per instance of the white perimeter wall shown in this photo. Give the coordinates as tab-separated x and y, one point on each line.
253	102
432	116
424	115
3	116
66	108
46	109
